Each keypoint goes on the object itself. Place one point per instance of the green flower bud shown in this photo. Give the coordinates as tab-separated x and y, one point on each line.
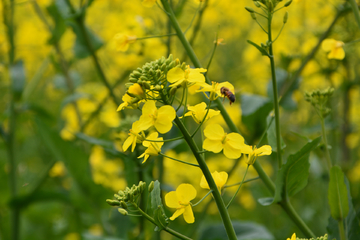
157	88
123	211
183	66
127	85
169	60
133	80
288	3
123	205
270	6
253	15
151	186
171	65
113	202
257	4
146	85
118	197
249	9
136	73
285	17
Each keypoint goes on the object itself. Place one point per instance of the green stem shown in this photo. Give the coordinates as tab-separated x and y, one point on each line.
191	164
233	197
327	152
275	93
342	230
194	205
355	9
235	184
167	229
289	209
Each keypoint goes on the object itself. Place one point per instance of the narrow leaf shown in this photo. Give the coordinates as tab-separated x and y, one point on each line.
337	194
262	50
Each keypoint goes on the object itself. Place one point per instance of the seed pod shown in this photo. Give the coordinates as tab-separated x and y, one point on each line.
113	202
285	17
288	3
249	9
123	205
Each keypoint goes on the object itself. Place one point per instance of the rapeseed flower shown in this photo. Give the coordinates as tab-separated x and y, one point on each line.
293	237
254	152
153	148
179	77
160	118
217	140
180	199
134	136
334	47
123	41
198	112
220	179
214	89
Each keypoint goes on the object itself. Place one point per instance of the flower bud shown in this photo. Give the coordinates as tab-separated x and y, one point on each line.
113	202
122	211
288	3
136	73
285	17
151	186
270	6
146	85
253	15
257	4
249	9
133	80
157	88
123	205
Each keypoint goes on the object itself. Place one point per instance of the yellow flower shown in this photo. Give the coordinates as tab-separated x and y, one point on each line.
160	118
186	78
217	140
293	237
136	90
198	112
255	152
134	136
214	89
335	48
129	102
153	148
148	3
180	199
123	41
220	179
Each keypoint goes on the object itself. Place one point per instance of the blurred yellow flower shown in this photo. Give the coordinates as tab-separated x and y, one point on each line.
160	118
293	237
198	112
134	136
148	3
58	170
217	140
180	199
220	179
334	47
123	41
179	77
153	148
254	152
72	236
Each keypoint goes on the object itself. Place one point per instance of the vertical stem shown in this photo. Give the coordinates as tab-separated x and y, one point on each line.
355	9
275	93
327	152
342	230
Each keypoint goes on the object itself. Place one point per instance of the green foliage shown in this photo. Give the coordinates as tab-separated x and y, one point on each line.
337	194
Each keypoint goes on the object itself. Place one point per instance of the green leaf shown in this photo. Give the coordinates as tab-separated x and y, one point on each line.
293	175
337	194
266	201
17	76
271	134
158	208
262	50
243	230
60	25
255	109
352	222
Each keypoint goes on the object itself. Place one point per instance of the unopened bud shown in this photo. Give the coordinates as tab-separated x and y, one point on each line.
253	16
146	85
122	211
257	4
288	3
123	205
157	88
113	202
270	6
285	17
151	186
249	9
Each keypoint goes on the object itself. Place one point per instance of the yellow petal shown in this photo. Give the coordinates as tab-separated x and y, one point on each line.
177	213
127	143
264	150
328	44
235	140
247	149
149	108
189	215
145	122
337	53
185	192
163	126
220	178
171	200
204	183
212	145
214	132
231	152
175	74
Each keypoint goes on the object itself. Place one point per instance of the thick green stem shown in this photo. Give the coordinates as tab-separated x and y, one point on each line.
275	93
355	9
342	230
204	168
286	205
327	152
167	229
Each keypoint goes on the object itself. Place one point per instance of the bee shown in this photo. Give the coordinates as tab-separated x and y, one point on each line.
227	93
